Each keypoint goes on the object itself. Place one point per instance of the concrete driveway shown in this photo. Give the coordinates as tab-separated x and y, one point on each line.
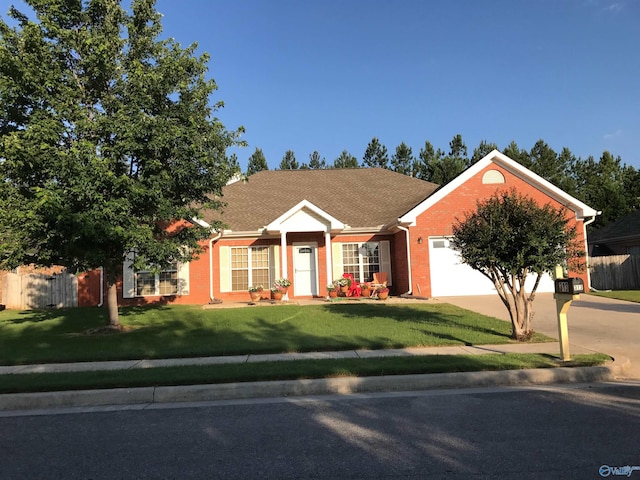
596	323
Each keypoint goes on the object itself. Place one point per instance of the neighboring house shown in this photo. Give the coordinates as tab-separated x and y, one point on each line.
617	238
311	226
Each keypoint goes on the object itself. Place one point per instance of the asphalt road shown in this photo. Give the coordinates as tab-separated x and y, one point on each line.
564	432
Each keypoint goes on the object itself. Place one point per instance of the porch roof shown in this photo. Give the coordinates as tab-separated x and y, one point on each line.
361	198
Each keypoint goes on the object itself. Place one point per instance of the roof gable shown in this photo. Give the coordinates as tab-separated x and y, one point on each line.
305	217
495	157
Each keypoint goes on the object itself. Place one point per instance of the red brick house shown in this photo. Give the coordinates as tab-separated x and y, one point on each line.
311	226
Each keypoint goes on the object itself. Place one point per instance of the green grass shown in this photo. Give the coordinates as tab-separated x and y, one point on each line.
284	370
628	295
187	331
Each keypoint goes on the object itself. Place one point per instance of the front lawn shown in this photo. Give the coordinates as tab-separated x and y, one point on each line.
189	331
628	295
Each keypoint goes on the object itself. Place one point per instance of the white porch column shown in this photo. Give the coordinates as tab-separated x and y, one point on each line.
284	268
328	256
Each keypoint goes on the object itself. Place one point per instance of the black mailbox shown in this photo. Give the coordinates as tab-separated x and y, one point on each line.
571	286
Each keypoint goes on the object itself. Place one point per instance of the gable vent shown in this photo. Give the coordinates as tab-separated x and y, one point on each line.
492	177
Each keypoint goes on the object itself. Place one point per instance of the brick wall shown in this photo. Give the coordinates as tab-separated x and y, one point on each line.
438	220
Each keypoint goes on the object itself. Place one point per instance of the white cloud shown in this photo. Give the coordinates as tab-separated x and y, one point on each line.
614	7
617	134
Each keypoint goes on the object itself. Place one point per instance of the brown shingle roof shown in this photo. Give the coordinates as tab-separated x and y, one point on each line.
360	198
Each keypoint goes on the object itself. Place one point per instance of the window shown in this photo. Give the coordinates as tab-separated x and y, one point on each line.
173	280
361	259
249	266
164	282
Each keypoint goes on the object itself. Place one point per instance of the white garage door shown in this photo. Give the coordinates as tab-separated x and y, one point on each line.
451	277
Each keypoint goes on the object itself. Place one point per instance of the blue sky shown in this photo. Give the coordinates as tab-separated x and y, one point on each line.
329	75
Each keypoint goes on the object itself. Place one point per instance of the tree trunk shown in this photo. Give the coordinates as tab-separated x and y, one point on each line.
112	305
521	317
518	303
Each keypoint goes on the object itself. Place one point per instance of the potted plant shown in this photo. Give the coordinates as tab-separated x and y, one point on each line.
283	284
277	292
331	291
383	293
366	289
342	284
255	292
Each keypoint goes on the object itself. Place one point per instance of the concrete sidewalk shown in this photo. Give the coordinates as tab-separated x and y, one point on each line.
548	348
349	385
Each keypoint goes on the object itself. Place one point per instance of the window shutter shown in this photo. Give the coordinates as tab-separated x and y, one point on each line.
183	278
128	277
224	269
336	257
274	263
385	260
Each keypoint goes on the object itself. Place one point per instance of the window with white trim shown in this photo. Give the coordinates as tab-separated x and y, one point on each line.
361	259
164	282
249	266
172	280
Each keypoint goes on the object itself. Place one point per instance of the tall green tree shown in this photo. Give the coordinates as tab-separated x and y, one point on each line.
315	162
631	181
520	155
289	161
482	150
428	165
604	185
345	160
106	137
436	167
457	148
375	155
234	165
257	162
403	161
510	237
544	161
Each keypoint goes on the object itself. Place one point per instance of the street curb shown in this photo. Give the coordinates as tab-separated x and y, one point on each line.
325	386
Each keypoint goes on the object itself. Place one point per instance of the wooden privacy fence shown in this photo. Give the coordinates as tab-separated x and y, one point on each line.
615	272
36	290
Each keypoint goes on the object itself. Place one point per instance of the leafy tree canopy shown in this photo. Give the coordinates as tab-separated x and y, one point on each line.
375	155
315	162
402	161
289	161
345	160
510	237
106	137
257	162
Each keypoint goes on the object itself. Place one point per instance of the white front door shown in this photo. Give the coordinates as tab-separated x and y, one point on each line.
305	267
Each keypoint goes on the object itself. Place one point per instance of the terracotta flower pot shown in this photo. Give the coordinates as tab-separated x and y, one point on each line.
277	295
383	295
333	293
255	296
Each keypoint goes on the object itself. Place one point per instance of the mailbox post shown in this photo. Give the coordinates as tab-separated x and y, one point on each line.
567	290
